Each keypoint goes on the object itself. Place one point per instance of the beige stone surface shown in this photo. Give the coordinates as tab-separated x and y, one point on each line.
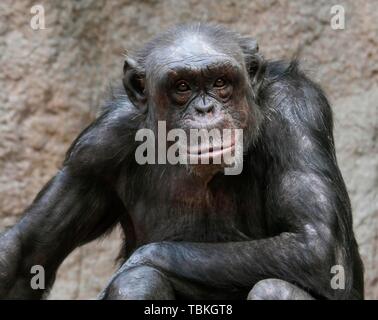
52	82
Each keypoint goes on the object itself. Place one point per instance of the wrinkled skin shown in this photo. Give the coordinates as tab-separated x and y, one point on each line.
272	232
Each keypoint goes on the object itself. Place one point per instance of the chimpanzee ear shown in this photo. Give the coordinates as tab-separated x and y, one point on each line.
134	82
254	62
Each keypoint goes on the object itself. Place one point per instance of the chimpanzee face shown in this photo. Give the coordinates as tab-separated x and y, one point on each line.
194	84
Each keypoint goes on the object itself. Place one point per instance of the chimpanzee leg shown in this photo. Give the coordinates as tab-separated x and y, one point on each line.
275	289
139	283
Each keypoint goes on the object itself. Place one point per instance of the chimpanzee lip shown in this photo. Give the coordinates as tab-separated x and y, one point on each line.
210	155
210	150
206	149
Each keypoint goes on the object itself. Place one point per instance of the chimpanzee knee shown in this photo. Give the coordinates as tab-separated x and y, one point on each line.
139	283
275	289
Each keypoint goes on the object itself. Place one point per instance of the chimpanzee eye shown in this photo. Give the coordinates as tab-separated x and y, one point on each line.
182	86
219	83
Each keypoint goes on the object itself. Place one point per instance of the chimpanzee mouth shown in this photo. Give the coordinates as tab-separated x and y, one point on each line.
216	153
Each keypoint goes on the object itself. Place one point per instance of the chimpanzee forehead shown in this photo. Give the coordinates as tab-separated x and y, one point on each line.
193	45
194	51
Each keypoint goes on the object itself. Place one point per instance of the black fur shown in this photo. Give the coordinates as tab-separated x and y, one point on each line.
287	216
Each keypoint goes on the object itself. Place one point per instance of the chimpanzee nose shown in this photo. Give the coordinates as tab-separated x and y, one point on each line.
204	108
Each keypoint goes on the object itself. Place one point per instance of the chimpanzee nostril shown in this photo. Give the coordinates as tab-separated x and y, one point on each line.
205	108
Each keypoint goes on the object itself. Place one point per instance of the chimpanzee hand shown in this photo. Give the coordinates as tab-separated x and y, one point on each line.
153	255
141	276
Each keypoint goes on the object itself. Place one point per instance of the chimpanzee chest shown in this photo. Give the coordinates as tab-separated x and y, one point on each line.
182	207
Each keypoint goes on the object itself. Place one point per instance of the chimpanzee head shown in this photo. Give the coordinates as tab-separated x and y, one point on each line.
197	77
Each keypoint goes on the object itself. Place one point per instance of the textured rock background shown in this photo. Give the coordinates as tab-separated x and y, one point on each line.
52	82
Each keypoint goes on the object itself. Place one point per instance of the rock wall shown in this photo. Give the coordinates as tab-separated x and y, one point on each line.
52	82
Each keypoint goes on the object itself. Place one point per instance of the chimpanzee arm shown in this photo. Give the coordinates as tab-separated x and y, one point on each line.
78	205
306	205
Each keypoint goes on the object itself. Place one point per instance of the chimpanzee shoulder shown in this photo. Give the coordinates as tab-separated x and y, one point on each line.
288	95
109	140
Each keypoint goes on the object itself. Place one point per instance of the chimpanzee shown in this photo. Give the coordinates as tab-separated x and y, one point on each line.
274	231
